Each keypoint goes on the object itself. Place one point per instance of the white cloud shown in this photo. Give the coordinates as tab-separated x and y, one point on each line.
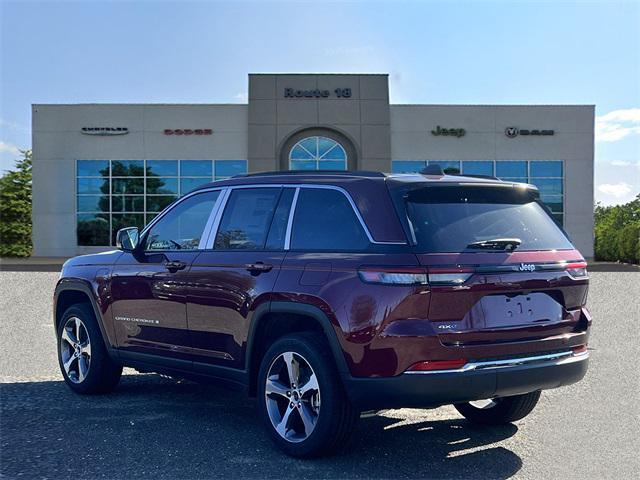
9	148
625	163
13	126
617	190
618	124
242	97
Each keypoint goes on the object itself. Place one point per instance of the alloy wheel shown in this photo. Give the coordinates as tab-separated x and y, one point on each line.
292	396
75	350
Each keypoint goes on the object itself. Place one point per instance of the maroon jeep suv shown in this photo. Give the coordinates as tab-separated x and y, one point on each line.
326	294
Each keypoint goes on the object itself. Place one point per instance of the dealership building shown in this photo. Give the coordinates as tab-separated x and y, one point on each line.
100	167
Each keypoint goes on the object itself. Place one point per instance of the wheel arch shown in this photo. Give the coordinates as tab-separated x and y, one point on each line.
283	317
69	292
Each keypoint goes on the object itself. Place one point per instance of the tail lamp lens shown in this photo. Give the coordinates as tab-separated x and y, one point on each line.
577	269
431	365
580	350
449	276
394	276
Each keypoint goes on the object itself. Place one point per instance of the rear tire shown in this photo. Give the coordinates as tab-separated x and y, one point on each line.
499	411
311	415
82	355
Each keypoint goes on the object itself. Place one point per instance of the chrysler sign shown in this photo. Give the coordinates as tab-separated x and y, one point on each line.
105	130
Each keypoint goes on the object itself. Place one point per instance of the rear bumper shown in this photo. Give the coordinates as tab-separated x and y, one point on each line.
475	381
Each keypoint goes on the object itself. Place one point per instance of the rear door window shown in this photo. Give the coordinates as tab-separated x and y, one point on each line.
247	218
451	218
325	220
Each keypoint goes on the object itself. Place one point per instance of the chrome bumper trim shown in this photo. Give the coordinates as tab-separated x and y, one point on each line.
560	358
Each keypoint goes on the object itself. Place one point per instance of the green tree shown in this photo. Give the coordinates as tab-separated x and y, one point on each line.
617	232
15	209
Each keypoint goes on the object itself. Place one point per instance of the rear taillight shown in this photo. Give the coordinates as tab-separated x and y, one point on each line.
580	350
577	269
431	365
449	275
394	276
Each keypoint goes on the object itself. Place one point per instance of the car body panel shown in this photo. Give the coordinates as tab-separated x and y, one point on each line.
149	303
221	299
203	318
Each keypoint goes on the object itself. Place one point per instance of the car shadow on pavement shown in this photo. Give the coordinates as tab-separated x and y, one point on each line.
157	427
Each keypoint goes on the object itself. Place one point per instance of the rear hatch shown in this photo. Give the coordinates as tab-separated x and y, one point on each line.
499	267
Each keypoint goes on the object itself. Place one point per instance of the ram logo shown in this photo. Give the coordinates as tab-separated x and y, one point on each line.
527	267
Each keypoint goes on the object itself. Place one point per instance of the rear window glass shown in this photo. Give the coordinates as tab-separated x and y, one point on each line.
450	219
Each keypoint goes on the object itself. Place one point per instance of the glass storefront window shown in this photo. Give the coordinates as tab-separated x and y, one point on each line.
158	185
92	203
93	229
548	186
92	168
449	167
162	168
188	184
547	168
127	185
407	166
229	168
477	168
196	168
92	185
118	193
511	169
127	168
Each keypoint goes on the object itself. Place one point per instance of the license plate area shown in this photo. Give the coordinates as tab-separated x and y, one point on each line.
517	310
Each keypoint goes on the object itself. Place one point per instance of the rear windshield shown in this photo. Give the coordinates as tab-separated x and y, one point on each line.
451	218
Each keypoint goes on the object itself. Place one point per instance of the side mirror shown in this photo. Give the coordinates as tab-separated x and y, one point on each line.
127	239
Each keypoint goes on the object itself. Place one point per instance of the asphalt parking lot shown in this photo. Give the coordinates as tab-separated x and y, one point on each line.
153	427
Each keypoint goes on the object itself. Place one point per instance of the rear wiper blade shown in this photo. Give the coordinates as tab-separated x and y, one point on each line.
496	244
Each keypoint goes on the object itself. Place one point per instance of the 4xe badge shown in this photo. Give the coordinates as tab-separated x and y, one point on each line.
527	267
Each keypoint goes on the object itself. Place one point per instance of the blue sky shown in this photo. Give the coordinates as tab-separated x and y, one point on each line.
435	52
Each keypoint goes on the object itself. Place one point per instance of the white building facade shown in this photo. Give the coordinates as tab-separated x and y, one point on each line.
100	167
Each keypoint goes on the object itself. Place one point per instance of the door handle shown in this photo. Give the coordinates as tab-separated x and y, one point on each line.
175	266
258	267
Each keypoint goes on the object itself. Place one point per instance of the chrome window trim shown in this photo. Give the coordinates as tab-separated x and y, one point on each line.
353	206
292	210
213	223
560	358
217	217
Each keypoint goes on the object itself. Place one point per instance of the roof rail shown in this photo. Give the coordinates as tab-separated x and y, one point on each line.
489	177
347	173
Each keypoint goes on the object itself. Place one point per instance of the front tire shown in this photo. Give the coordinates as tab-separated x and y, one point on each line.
499	411
82	355
301	398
